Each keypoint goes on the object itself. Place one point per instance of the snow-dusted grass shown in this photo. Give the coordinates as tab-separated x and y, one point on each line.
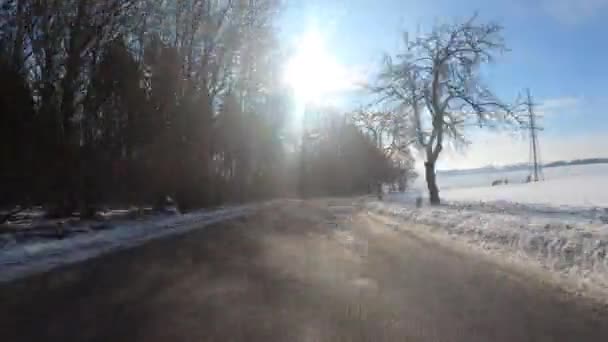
18	260
559	225
567	242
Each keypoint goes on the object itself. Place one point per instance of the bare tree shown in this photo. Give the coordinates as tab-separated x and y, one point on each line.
374	123
390	132
435	85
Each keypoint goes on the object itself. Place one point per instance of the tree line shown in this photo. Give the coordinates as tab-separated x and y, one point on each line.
131	101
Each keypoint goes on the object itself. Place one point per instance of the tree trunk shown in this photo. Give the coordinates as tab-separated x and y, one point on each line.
19	35
431	182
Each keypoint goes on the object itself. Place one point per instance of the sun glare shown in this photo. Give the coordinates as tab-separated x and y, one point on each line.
313	73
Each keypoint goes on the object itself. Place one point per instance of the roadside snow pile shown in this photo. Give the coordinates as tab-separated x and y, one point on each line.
567	242
32	224
560	224
18	260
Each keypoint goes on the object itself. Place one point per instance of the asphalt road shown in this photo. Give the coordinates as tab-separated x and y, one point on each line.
298	271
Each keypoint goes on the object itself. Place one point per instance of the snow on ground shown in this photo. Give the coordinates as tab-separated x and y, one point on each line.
574	250
581	186
570	194
560	225
18	260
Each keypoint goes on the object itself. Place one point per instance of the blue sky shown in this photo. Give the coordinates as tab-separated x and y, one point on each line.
559	49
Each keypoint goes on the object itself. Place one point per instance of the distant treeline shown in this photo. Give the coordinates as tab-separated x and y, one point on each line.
578	162
523	166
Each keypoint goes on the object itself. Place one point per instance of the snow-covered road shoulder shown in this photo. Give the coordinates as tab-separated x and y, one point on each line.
568	246
20	260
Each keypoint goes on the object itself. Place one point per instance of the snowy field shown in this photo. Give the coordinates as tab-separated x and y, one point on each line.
559	225
20	259
583	186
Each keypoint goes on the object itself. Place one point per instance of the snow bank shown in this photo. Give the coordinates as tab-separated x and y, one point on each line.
560	224
568	243
20	260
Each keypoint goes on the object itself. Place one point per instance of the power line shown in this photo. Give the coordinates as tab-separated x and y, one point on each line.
536	164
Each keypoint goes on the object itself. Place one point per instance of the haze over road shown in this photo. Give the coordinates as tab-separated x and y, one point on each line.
320	270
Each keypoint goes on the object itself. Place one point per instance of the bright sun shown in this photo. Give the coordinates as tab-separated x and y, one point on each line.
313	73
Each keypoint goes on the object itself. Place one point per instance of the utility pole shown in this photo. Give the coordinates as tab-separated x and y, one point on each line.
534	147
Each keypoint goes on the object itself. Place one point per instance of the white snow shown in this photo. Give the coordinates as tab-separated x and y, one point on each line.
571	186
23	259
571	248
559	225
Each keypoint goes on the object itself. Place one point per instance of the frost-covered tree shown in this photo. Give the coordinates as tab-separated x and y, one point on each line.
435	85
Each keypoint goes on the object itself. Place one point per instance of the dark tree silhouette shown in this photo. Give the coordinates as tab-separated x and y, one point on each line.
128	102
